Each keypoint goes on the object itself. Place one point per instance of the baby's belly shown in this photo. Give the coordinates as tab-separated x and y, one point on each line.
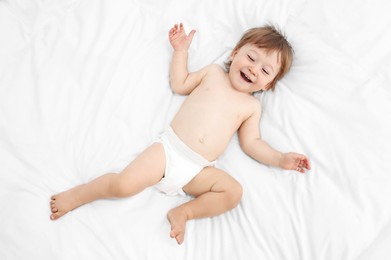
206	141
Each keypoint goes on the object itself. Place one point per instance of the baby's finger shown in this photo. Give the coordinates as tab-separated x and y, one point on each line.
191	34
307	164
304	162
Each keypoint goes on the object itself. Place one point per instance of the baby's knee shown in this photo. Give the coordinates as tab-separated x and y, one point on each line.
234	194
120	188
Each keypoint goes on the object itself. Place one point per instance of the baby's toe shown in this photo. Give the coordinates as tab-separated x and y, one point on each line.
54	209
179	238
55	216
177	235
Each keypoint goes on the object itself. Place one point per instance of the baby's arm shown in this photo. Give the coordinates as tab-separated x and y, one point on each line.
254	146
181	81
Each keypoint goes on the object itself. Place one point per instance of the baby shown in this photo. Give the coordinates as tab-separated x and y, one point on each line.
219	104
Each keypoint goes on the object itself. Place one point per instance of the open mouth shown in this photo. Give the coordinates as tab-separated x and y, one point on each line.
245	77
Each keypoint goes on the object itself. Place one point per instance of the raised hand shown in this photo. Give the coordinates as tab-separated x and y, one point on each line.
294	161
179	40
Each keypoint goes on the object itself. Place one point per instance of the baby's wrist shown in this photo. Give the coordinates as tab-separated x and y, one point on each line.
179	50
279	160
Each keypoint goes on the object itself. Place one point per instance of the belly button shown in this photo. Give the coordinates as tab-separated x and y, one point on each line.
201	140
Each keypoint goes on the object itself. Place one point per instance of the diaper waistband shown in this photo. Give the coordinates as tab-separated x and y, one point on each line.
175	141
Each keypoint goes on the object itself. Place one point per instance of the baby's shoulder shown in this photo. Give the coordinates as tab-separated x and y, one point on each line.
215	68
254	104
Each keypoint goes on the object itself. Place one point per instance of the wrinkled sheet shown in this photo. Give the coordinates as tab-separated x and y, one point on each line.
84	88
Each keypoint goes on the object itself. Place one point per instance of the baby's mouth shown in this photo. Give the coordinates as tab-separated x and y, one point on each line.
245	77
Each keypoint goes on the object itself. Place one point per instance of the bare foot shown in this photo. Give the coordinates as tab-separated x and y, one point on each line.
177	219
64	202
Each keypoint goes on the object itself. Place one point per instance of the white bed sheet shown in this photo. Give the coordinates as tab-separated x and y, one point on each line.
84	88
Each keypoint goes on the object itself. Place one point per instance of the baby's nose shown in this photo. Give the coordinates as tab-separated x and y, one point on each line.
253	71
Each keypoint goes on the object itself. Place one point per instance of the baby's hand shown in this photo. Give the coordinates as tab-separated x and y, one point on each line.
294	161
178	38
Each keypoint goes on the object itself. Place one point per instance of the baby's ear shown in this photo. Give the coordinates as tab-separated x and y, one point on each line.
233	54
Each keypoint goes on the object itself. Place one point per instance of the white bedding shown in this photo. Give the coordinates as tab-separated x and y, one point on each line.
84	88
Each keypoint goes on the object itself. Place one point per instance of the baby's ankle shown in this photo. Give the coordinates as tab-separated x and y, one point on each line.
187	213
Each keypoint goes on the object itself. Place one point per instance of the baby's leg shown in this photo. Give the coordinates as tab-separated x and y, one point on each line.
216	192
144	171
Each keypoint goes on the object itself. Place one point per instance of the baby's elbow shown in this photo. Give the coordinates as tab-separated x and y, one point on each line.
178	88
245	146
178	91
249	146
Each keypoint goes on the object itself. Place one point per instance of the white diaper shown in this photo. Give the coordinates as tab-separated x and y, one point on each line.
182	164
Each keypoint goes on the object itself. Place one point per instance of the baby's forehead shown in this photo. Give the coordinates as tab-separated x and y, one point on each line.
264	51
256	48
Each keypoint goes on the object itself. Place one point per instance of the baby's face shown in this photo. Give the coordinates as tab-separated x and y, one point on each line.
252	68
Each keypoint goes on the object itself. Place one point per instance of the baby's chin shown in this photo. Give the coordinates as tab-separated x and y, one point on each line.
243	90
247	89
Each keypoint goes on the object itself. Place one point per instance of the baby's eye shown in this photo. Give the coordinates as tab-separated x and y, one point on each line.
265	71
250	58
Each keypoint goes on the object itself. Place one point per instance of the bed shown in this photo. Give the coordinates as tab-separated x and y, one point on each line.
84	88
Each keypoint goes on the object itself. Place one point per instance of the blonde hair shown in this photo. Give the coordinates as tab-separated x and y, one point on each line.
270	38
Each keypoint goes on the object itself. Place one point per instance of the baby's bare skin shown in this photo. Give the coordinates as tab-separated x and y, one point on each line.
212	113
64	202
219	103
177	219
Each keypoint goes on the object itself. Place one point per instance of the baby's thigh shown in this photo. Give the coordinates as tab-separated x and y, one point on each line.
146	169
211	179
